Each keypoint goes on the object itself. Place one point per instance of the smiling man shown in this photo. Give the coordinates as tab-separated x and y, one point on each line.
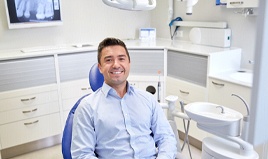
119	121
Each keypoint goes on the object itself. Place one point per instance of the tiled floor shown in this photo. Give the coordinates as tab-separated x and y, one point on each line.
55	153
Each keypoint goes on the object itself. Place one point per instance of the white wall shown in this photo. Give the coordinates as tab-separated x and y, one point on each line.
91	20
243	28
83	21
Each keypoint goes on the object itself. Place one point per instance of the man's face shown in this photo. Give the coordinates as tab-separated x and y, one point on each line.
114	65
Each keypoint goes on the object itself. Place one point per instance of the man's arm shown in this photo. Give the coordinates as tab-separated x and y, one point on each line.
83	134
163	134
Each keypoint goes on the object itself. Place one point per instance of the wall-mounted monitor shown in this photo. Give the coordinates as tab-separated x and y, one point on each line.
33	13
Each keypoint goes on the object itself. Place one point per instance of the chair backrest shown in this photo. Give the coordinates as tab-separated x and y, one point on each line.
95	80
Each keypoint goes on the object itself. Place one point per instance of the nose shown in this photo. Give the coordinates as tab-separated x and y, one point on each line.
116	63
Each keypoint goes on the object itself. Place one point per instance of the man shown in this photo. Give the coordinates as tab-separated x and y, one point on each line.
119	121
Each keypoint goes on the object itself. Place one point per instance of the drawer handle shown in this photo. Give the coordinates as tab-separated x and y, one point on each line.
27	99
184	92
218	84
30	123
29	111
84	89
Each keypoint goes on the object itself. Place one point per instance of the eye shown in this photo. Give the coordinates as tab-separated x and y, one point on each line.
122	59
108	60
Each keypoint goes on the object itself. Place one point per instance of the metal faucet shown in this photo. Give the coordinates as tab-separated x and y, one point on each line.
222	109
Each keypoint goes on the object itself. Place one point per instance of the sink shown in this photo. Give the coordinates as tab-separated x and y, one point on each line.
246	77
214	118
209	117
211	114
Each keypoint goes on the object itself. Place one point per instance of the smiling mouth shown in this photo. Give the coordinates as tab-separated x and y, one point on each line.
117	72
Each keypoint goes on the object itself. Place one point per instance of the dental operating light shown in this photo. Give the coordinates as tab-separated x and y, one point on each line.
146	5
131	4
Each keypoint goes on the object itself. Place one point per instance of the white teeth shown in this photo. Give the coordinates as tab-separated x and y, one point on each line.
116	72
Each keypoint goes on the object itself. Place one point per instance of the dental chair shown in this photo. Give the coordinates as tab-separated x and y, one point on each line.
96	80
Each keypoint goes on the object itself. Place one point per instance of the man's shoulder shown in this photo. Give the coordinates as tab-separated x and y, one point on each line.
139	91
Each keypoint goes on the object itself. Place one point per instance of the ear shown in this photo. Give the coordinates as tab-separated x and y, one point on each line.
99	66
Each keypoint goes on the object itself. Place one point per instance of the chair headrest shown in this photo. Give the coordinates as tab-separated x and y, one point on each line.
96	79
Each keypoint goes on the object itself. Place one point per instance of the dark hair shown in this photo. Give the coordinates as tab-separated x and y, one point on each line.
110	42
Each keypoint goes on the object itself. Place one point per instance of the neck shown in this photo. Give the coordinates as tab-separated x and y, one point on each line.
121	89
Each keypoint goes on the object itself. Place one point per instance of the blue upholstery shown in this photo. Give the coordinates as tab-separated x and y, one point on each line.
95	77
96	80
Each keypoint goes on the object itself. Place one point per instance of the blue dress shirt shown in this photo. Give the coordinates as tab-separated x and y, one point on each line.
106	126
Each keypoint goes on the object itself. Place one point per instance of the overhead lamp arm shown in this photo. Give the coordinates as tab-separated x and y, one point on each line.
131	4
189	6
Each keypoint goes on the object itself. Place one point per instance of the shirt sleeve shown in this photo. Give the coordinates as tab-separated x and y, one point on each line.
163	134
83	134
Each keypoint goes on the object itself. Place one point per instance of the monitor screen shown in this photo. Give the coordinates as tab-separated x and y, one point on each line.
33	13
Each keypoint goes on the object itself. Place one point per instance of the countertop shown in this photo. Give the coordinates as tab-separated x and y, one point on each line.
183	46
240	77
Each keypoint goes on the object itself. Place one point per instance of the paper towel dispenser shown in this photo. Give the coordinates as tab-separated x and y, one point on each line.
211	37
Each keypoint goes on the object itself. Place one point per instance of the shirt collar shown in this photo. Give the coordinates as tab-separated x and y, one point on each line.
106	89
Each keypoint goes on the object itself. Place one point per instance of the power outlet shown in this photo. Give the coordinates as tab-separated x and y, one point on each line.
179	34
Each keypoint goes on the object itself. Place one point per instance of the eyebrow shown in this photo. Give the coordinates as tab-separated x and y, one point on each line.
106	57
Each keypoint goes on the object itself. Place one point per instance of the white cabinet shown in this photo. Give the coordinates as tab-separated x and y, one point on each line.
29	102
187	77
220	92
28	130
70	93
187	92
73	74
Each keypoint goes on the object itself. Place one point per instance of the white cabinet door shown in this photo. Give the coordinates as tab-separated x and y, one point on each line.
187	92
29	130
220	92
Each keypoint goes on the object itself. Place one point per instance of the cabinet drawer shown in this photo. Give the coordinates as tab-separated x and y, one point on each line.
24	73
29	112
76	88
29	130
72	91
27	100
185	91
